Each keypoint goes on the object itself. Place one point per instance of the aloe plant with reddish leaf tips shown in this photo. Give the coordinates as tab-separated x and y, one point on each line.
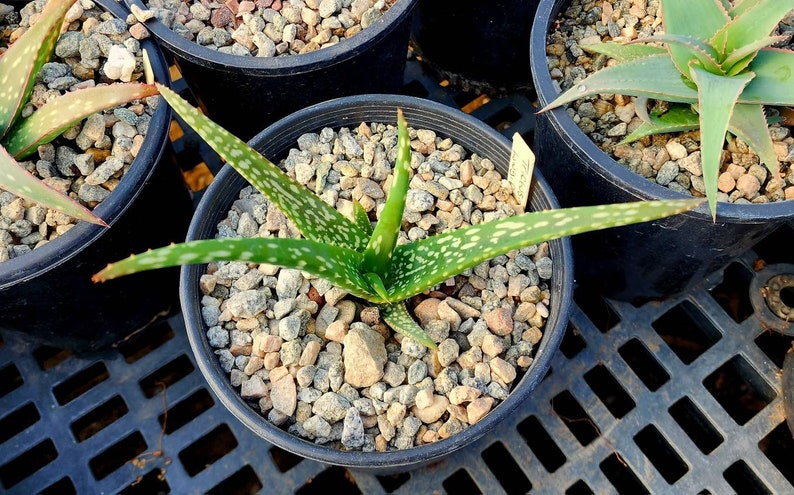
367	262
716	66
19	137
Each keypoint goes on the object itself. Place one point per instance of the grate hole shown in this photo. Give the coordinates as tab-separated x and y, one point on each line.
609	390
337	477
99	418
597	310
621	476
151	482
687	331
574	417
284	460
658	450
63	486
49	357
202	453
787	296
739	389
17	421
503	118
733	294
541	444
10	379
145	341
243	482
778	446
776	247
775	346
506	470
464	98
186	410
80	383
744	480
702	433
117	455
572	343
644	365
461	483
415	88
579	488
166	376
27	463
391	482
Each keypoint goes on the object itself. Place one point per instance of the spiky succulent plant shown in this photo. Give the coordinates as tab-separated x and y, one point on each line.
19	137
718	62
363	261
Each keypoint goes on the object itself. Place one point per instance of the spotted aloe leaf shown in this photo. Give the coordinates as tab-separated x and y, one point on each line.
313	217
49	121
396	316
624	52
23	60
20	182
420	265
361	218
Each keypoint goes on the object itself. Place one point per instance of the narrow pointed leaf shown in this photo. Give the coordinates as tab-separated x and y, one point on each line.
398	318
774	78
420	265
624	52
376	284
632	79
361	218
754	23
677	119
19	181
740	58
699	19
718	97
749	123
20	63
739	7
377	255
49	121
314	218
335	264
696	49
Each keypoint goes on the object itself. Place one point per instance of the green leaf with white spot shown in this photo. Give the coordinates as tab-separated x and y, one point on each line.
377	255
23	60
314	218
59	114
361	218
421	265
398	318
336	264
19	181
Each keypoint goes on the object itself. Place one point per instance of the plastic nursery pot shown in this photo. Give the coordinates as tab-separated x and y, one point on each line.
274	142
244	94
642	262
483	45
48	294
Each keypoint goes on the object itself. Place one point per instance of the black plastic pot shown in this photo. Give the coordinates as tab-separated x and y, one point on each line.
244	94
640	262
48	293
274	142
477	44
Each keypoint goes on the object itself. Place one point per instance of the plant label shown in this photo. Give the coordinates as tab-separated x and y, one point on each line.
519	175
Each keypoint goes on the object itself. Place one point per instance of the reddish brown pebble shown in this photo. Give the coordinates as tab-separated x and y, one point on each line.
222	17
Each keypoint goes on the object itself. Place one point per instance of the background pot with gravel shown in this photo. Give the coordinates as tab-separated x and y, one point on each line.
648	261
47	292
483	46
250	69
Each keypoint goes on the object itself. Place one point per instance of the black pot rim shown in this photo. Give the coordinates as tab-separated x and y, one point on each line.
605	165
391	461
68	245
276	66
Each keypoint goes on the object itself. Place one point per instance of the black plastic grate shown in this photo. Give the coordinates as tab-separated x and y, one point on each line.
682	396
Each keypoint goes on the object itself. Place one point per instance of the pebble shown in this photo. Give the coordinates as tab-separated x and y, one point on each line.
364	355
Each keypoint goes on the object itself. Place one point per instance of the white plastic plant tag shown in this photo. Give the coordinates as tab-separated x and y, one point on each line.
519	175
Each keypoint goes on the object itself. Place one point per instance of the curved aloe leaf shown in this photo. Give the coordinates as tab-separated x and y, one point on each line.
749	123
624	52
677	119
49	121
774	78
377	255
335	264
699	19
19	181
313	217
754	23
740	58
698	50
632	79
421	265
398	318
717	98
22	61
361	218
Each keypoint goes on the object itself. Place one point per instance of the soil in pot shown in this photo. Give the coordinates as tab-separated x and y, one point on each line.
323	366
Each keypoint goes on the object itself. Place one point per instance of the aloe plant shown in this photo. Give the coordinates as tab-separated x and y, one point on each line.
718	68
368	263
19	137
